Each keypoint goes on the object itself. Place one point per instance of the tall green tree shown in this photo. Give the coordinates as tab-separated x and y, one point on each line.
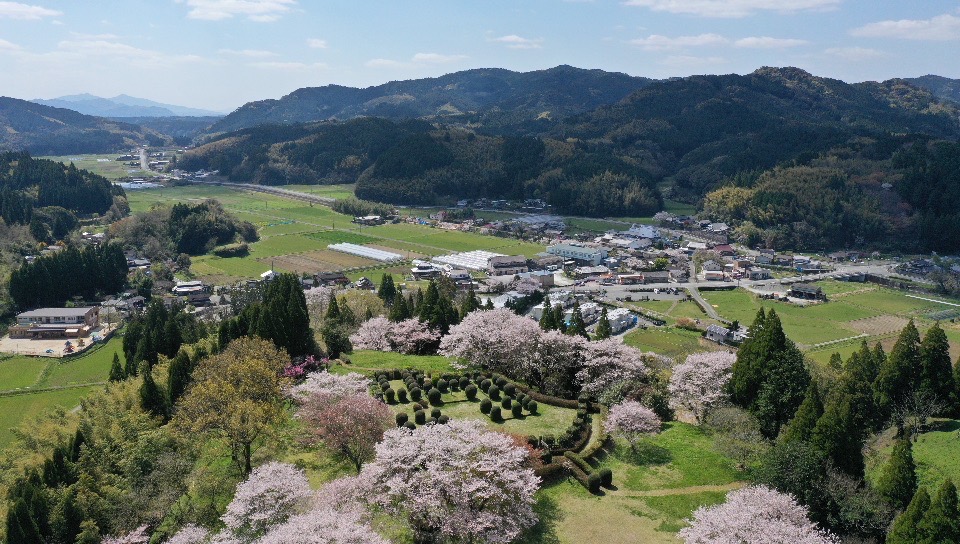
116	371
941	523
21	526
152	397
400	310
546	318
900	371
906	528
603	330
577	325
860	371
387	290
333	309
839	435
801	426
936	369
898	480
559	320
747	372
178	377
470	303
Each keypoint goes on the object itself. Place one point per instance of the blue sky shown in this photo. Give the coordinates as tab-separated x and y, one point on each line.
219	54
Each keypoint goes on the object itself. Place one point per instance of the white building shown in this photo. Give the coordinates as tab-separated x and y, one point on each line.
621	319
590	255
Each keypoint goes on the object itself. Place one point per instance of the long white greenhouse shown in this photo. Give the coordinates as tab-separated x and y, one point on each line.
363	251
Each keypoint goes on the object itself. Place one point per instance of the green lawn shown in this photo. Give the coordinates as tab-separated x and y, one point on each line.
669	341
14	409
371	361
936	454
86	368
332	191
20	371
103	165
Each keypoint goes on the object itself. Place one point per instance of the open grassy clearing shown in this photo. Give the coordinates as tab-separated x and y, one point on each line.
936	454
15	409
371	361
21	371
669	341
103	165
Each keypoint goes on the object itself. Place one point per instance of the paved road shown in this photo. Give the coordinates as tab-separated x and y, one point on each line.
285	193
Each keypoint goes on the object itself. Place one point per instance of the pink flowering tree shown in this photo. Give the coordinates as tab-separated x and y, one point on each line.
413	337
324	526
758	515
190	534
700	383
350	425
373	334
497	340
453	483
272	493
332	385
553	365
137	536
632	421
612	370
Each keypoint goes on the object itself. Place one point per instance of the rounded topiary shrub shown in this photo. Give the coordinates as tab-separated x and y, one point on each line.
593	482
485	406
424	404
471	391
500	381
464	382
397	374
443	420
402	395
427	384
523	399
402	418
432	420
390	395
494	392
420	417
606	477
546	457
415	394
516	410
496	414
435	413
510	389
532	406
506	402
434	396
442	385
410	425
485	385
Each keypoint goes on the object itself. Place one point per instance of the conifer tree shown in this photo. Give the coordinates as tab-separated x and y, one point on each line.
430	299
116	371
836	363
838	435
489	304
898	480
559	320
333	309
936	370
900	371
577	326
172	338
178	376
857	381
941	523
603	330
470	303
802	425
21	527
747	372
906	528
546	318
152	398
387	291
400	310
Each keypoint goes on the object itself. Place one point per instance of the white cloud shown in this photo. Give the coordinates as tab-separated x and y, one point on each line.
436	58
249	53
940	28
855	54
656	42
732	8
384	63
316	43
288	66
517	42
16	10
766	42
263	11
8	46
689	62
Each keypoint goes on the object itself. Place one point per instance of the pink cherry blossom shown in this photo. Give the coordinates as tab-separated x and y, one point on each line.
632	421
699	383
350	425
272	493
373	334
333	385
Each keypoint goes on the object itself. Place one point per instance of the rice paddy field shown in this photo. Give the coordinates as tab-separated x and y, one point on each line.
294	236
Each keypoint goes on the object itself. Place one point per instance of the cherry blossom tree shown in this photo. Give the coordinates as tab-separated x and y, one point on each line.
350	425
454	483
333	385
323	526
610	364
137	536
758	515
632	421
553	365
700	382
412	336
270	496
190	534
373	334
497	340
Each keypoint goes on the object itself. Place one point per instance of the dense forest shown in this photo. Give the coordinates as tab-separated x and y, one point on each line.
55	279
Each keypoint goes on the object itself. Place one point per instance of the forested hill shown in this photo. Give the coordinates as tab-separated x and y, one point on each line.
696	131
941	87
494	97
45	130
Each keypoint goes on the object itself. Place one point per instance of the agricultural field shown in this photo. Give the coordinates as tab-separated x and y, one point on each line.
32	385
670	341
294	236
104	165
331	191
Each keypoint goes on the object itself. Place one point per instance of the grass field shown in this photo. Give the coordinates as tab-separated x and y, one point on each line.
14	409
936	454
104	165
669	341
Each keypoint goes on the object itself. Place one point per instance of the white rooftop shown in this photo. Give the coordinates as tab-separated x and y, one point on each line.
470	260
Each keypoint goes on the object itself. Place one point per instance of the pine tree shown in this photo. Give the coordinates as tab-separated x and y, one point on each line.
546	318
900	371
577	326
178	376
297	320
801	426
857	381
603	330
399	311
21	527
171	337
941	523
906	528
431	298
387	291
333	309
116	371
152	398
898	481
838	435
470	303
559	320
489	304
936	370
747	372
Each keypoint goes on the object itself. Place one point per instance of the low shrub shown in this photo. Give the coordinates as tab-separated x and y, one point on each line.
435	413
494	392
390	395
593	482
510	389
546	457
402	395
496	414
485	406
402	418
427	384
432	420
531	406
410	425
443	420
506	403
443	385
579	461
485	385
420	417
516	410
464	382
500	381
434	396
415	394
471	391
606	477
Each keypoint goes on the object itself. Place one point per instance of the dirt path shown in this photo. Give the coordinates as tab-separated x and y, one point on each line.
692	490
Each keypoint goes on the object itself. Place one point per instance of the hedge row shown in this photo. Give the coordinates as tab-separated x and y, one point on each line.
584	473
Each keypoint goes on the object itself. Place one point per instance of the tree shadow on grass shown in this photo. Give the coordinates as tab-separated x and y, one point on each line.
645	454
545	531
947	426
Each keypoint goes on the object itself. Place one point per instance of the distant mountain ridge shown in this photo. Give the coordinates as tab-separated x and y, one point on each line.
490	96
46	130
122	106
942	87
